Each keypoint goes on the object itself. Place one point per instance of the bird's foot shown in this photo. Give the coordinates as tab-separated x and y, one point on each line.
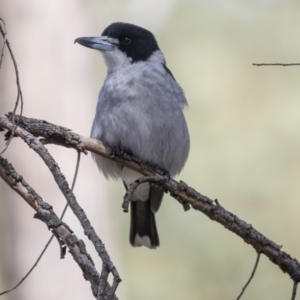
121	152
166	176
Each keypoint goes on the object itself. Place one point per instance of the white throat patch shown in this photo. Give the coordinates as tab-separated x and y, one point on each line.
114	59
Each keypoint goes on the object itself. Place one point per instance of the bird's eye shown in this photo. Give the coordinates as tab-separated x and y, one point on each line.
126	41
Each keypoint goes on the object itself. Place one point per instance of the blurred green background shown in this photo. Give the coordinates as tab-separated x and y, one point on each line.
244	126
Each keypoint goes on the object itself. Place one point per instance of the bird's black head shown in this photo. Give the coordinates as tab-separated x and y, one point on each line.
122	44
138	43
135	42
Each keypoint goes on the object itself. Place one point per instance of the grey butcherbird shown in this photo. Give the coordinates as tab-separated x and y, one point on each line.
139	110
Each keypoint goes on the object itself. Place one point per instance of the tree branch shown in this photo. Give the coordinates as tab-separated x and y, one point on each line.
19	90
250	278
51	238
38	147
45	213
276	64
179	190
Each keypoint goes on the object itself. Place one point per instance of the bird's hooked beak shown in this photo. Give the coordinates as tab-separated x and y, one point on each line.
100	43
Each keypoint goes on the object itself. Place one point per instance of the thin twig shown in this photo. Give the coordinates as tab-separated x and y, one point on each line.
31	269
19	90
294	290
73	183
276	64
4	42
251	276
52	236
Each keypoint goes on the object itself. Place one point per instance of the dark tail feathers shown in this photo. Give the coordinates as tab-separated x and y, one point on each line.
143	230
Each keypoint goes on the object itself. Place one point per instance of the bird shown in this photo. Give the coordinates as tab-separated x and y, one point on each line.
139	111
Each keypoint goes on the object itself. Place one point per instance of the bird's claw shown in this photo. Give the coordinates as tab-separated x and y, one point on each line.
122	153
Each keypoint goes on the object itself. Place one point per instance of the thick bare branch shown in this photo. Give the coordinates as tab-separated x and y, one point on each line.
51	238
179	190
45	213
89	231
